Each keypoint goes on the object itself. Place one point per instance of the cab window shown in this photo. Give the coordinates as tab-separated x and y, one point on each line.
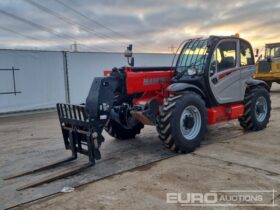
246	54
272	52
224	57
275	52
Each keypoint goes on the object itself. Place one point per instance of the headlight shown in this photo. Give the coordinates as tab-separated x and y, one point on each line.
191	71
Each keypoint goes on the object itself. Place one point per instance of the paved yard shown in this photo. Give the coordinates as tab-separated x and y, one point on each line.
229	159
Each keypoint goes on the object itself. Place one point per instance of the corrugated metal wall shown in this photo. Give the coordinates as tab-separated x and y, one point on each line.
41	76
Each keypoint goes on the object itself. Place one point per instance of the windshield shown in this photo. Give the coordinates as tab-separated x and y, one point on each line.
193	54
273	52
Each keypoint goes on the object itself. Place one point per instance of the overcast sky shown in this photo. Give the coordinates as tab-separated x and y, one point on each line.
150	25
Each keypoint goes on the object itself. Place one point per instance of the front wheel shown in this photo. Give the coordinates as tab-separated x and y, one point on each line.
182	122
122	132
257	109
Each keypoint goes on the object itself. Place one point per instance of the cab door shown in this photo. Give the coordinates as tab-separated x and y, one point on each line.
224	72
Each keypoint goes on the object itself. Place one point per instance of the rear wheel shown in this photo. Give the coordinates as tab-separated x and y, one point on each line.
257	109
182	122
123	132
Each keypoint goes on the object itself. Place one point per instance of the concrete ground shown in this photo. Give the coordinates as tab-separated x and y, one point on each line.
229	159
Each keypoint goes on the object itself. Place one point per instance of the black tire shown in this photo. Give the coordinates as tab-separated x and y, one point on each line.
122	133
249	120
169	122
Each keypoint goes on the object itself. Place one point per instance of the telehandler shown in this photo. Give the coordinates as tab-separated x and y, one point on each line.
210	83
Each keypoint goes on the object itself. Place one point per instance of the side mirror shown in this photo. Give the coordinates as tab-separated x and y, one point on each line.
257	53
128	51
128	54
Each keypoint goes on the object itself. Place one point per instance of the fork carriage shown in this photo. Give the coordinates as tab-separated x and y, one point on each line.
80	135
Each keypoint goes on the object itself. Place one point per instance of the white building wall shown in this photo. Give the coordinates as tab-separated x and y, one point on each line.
40	80
41	76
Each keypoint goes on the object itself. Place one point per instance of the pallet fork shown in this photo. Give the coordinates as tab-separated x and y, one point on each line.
80	135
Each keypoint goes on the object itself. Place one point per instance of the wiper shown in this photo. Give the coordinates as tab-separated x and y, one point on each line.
179	75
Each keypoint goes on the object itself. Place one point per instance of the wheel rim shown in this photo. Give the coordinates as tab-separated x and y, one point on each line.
261	109
190	122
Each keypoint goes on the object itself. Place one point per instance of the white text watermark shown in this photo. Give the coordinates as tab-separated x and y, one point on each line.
265	198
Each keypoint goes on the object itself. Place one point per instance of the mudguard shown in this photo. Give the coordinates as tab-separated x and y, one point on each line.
255	82
179	87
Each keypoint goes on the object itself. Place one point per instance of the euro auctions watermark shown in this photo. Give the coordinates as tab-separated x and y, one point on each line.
264	198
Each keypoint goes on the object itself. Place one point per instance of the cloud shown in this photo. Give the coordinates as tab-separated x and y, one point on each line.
152	26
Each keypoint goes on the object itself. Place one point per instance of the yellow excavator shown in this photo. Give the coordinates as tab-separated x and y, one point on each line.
268	68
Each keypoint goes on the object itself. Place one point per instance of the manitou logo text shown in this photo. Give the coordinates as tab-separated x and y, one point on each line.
153	81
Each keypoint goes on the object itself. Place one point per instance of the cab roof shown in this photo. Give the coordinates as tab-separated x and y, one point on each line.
272	45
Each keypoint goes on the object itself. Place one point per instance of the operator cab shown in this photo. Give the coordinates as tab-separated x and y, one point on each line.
217	66
272	51
271	58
